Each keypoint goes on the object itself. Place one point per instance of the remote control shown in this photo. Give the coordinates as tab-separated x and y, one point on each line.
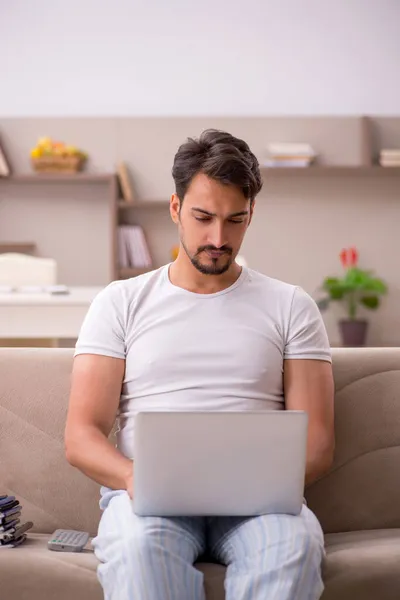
68	540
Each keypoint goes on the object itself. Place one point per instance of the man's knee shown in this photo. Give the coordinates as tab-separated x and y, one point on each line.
140	543
120	546
297	541
309	547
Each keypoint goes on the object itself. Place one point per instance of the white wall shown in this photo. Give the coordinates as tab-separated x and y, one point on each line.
179	57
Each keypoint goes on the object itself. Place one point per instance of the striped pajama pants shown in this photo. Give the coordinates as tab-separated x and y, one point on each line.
272	557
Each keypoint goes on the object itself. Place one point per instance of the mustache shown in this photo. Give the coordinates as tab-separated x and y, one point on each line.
225	249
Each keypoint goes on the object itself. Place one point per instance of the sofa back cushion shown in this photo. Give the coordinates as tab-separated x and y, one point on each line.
362	490
34	388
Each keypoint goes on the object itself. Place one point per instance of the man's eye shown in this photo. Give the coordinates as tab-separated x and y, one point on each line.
207	219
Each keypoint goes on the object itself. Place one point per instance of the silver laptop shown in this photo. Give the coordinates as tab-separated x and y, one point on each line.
219	463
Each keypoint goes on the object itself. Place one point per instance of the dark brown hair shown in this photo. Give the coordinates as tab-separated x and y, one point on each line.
222	157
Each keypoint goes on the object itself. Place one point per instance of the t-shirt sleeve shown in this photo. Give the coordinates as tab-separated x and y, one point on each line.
306	335
103	328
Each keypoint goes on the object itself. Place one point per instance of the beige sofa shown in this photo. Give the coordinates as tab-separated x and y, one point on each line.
358	502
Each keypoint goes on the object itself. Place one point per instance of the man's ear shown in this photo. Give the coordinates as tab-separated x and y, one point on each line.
174	208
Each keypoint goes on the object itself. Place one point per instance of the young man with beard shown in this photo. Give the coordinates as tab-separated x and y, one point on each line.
201	333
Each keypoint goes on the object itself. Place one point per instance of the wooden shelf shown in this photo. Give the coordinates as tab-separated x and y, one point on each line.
59	178
142	204
126	273
19	247
108	190
346	147
336	170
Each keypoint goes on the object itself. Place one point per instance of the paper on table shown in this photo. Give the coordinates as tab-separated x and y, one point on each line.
35	289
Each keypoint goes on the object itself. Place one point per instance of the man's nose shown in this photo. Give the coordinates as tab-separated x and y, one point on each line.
217	236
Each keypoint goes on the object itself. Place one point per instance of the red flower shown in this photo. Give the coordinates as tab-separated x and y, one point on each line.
349	257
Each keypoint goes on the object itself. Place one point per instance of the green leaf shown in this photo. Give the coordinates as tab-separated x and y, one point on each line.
371	302
328	281
363	281
356	278
334	287
376	285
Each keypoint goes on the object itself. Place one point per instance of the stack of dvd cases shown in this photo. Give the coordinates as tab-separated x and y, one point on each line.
12	530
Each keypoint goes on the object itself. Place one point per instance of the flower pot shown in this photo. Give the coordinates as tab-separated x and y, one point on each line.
353	331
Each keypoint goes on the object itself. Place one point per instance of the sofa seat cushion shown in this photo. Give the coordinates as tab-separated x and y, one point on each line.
214	576
32	572
362	565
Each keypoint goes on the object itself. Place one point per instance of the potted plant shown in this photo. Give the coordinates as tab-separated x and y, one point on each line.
355	288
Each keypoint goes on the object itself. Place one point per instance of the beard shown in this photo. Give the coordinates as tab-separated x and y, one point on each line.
210	266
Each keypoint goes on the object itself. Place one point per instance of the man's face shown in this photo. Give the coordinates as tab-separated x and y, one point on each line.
212	222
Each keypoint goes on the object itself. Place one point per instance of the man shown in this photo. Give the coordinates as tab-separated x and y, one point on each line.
201	333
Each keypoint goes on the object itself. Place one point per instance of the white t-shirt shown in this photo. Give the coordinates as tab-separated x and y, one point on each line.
189	351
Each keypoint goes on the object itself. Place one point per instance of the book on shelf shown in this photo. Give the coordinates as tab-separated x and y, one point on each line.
389	157
5	169
125	183
133	250
289	154
288	162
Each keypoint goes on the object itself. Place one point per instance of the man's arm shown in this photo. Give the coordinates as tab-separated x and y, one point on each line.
93	405
308	386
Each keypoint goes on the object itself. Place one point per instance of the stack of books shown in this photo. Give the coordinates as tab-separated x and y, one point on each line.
133	250
287	154
389	158
12	531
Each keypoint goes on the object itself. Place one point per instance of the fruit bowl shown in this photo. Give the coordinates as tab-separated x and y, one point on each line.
49	156
57	164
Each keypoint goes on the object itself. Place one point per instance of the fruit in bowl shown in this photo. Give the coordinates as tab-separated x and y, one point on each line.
51	155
